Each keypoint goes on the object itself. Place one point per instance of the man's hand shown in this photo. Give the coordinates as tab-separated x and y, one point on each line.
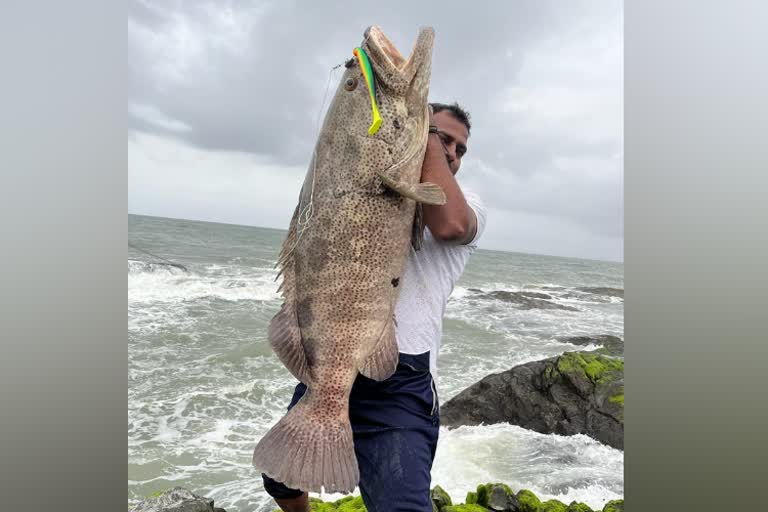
454	221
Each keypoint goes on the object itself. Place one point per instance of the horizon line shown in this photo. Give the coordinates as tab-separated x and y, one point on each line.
285	230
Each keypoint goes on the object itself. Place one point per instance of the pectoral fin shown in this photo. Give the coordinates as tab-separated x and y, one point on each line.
285	338
427	193
382	362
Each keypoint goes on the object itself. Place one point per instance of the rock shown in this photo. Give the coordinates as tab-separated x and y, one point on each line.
529	502
490	497
578	507
613	345
536	295
523	300
177	499
614	506
574	393
608	292
440	498
497	497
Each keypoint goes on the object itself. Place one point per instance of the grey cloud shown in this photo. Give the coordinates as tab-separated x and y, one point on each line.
250	77
260	98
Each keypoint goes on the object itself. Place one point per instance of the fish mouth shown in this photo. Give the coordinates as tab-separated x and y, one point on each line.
374	35
391	65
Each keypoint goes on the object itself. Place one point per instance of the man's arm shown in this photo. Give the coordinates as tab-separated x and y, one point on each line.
454	221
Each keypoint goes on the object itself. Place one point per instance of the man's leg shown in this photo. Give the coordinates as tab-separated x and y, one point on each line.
289	500
300	504
395	467
396	426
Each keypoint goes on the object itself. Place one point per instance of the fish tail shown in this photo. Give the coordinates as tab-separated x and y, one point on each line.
309	449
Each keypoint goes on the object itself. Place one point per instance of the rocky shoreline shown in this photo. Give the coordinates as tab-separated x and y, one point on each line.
491	497
573	393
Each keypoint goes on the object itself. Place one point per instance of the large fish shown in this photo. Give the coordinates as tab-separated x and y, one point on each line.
343	257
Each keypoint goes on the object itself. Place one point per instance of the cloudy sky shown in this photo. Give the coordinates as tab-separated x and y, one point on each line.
224	98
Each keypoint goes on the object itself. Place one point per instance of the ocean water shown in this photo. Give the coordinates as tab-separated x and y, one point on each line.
204	385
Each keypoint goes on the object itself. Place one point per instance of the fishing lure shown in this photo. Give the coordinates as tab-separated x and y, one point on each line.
365	66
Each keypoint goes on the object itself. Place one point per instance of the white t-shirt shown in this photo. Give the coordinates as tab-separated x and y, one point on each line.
429	277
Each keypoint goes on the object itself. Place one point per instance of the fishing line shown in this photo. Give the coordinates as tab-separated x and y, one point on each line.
306	212
164	260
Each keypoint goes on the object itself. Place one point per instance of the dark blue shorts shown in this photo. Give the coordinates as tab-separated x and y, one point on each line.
395	424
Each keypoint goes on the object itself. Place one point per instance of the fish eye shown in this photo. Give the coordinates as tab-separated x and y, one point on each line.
350	84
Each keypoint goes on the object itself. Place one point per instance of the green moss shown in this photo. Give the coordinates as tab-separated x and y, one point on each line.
320	507
155	494
465	508
553	506
317	505
597	368
529	502
617	399
483	490
476	502
351	504
614	506
578	507
345	504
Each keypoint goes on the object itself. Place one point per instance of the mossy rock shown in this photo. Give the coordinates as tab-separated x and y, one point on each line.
614	506
578	507
597	368
351	504
471	507
528	501
345	504
471	498
483	492
553	506
440	498
496	496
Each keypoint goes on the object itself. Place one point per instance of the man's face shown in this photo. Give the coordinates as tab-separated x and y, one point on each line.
454	135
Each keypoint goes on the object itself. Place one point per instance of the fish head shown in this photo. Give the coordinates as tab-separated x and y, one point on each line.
400	89
396	74
402	84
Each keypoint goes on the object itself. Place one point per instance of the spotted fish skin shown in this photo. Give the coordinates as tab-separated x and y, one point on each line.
342	260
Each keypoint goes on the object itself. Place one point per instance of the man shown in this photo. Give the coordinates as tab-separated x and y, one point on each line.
395	423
